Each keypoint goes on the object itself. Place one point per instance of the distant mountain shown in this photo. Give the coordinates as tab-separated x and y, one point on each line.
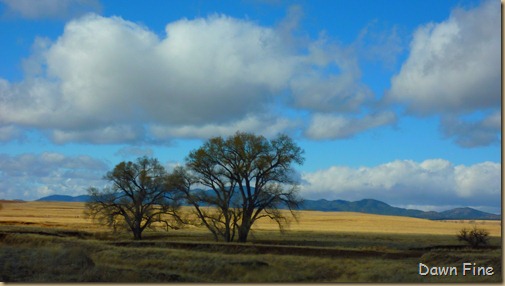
377	207
369	206
468	213
64	198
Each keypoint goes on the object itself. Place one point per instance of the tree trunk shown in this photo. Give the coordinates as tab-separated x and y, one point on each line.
243	230
137	234
226	232
245	226
137	231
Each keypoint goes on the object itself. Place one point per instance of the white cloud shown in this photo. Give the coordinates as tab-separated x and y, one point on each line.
453	66
104	76
108	80
236	73
339	91
482	179
434	182
327	126
40	9
31	176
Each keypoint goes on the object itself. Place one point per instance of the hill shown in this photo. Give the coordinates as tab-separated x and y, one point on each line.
377	207
64	198
468	213
369	206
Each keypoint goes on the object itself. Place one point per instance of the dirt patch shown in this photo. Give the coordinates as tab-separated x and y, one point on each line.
14	222
251	264
58	233
453	247
273	249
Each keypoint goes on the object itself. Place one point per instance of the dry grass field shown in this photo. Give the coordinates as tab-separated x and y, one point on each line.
70	215
46	214
53	242
369	223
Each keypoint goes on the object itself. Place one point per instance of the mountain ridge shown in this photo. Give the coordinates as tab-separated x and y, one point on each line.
370	206
373	206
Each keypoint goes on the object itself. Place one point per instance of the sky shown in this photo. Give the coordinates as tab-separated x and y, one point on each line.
398	101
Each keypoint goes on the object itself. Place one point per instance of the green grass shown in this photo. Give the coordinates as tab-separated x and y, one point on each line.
38	254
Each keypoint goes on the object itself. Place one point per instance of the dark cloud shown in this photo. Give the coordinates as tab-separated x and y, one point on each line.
327	126
470	134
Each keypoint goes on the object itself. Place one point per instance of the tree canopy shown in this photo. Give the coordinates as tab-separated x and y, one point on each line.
249	177
140	194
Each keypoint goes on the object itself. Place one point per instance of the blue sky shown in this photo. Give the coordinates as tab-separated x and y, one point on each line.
398	102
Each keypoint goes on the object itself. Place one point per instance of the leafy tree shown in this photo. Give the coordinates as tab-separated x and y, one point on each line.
249	177
474	237
141	193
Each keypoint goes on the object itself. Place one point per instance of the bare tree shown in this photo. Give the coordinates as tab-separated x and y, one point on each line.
216	209
249	176
141	193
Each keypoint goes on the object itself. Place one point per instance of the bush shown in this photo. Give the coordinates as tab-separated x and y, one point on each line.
474	237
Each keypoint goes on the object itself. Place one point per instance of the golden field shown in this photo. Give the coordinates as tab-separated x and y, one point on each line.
53	242
70	215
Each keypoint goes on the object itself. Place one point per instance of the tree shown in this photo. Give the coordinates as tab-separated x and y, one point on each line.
249	178
474	237
141	193
215	209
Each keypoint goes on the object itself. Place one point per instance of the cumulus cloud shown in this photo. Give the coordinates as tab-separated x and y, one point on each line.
328	126
105	75
454	70
108	80
434	182
59	9
338	91
31	176
453	66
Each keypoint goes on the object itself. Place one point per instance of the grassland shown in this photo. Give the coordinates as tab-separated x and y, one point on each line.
53	242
